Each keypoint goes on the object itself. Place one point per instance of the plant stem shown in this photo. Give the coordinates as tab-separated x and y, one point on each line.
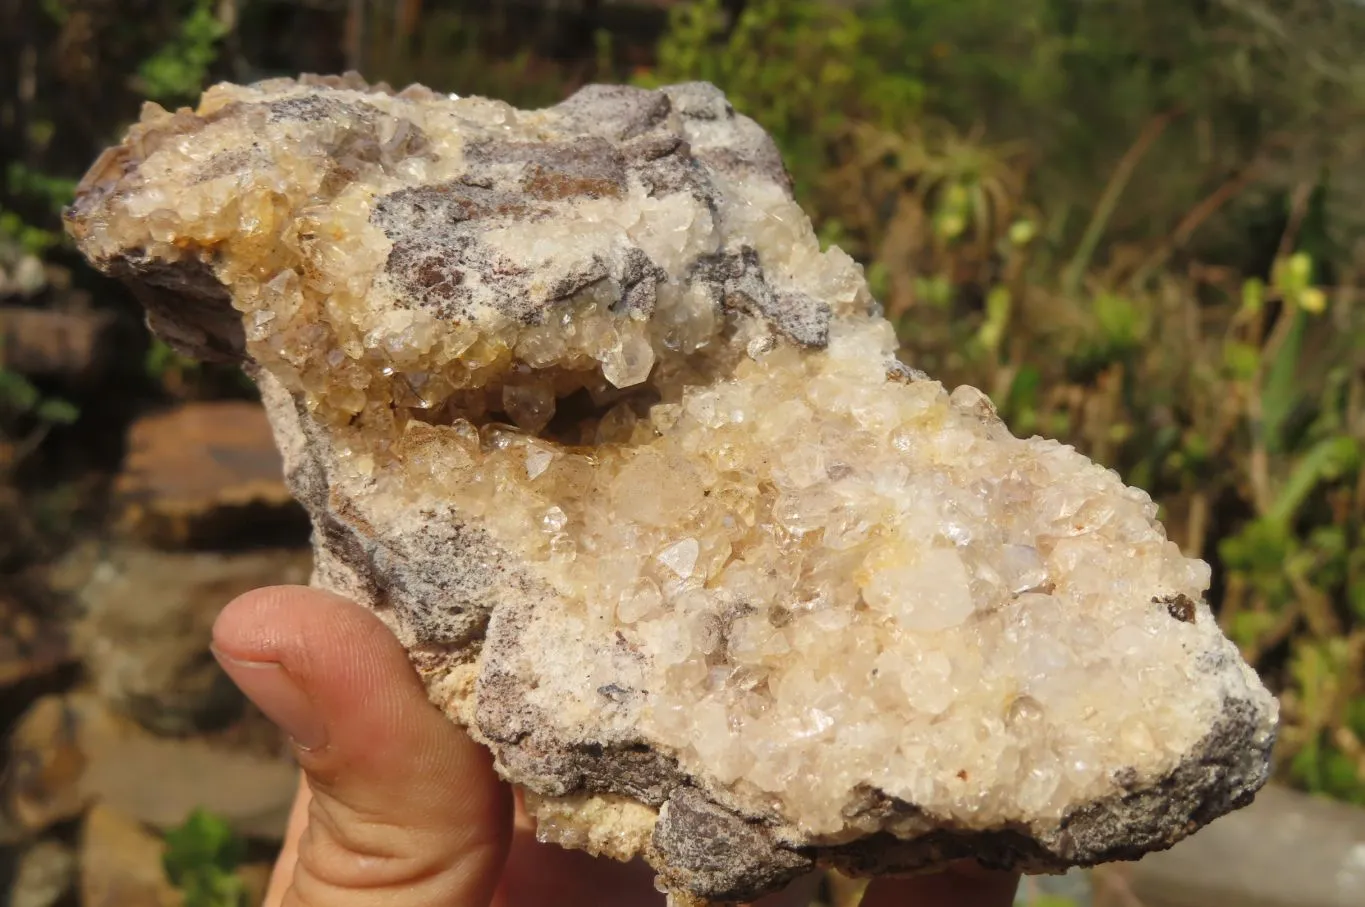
1109	199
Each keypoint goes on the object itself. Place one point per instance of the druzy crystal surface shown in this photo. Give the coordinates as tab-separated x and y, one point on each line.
581	409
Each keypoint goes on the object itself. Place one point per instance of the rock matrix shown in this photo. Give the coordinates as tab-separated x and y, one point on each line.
579	406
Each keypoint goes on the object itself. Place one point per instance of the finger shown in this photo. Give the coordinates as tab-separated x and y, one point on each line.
958	887
288	858
405	809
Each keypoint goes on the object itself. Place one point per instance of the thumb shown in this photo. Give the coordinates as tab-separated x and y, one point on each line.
406	810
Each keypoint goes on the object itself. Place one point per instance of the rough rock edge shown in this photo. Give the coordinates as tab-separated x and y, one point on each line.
1221	774
701	848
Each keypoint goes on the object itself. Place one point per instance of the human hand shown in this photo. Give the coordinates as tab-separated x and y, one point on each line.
400	808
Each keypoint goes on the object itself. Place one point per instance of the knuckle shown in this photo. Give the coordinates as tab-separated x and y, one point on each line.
351	862
347	859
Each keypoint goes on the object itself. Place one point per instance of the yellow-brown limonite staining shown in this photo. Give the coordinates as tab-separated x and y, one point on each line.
582	409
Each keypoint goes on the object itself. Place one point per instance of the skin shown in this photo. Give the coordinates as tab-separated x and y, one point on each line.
398	807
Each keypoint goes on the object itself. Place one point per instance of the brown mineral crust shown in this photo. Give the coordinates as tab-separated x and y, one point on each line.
635	321
186	305
439	581
530	749
227	163
315	108
740	286
666	166
1180	607
554	171
720	856
616	112
640	285
1124	827
715	855
737	147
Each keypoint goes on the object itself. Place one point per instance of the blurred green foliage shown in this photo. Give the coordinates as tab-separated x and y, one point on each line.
448	49
803	69
201	859
18	395
178	70
49	192
27	416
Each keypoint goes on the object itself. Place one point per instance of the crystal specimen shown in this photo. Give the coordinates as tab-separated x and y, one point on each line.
581	409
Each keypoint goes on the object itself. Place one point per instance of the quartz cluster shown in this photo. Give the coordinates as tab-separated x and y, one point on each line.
580	407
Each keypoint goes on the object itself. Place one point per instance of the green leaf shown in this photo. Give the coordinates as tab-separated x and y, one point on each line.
1248	627
17	392
1280	392
1294	274
936	291
1327	460
162	359
1316	666
997	318
179	69
204	842
1020	406
55	191
1123	324
832	233
1197	449
1241	360
55	11
11	224
215	889
1261	544
879	279
1312	300
1253	295
1022	232
57	411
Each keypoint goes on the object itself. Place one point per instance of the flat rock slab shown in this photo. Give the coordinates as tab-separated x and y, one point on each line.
67	753
159	781
121	864
70	345
580	407
204	474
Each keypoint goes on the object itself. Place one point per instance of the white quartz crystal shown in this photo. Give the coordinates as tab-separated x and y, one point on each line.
582	409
